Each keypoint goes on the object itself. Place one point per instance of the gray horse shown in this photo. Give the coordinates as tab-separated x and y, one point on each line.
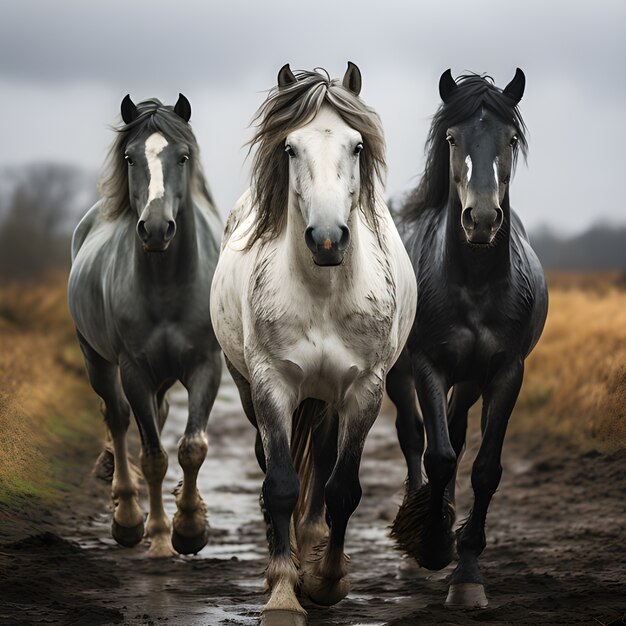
142	264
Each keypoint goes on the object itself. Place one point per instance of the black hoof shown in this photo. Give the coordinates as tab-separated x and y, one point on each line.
127	537
425	536
190	545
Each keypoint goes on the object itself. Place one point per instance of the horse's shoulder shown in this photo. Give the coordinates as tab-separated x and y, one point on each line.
240	221
85	226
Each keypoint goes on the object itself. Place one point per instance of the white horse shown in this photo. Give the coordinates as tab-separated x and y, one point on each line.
312	300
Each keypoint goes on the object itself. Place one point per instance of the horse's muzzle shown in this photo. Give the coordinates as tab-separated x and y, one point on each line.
156	235
328	245
481	225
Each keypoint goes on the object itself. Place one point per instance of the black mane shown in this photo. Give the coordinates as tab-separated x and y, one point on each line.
474	92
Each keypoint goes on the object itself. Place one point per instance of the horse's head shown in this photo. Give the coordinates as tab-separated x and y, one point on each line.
324	174
158	176
482	151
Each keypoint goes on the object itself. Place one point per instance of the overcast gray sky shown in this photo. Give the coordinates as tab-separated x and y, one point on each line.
65	66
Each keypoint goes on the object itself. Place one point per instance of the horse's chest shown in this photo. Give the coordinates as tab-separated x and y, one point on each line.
325	349
468	336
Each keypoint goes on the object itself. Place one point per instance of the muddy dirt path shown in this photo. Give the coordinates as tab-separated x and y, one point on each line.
555	554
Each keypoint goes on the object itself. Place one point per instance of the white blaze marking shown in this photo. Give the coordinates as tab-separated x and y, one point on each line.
468	162
495	170
154	146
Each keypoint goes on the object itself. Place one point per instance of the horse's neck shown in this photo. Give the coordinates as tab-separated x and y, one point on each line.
472	265
180	261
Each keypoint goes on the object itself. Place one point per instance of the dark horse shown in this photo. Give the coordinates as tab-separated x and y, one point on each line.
142	263
482	304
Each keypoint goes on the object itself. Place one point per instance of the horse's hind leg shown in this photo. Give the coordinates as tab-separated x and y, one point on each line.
466	585
127	527
401	391
313	529
326	580
190	531
464	395
423	526
141	394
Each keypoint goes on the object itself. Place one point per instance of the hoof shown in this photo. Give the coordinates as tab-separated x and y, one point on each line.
161	548
426	537
190	545
127	537
323	591
466	596
105	464
281	617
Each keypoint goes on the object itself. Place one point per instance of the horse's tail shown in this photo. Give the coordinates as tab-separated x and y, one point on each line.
305	419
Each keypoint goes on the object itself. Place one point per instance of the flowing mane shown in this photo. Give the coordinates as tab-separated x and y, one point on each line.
156	117
289	108
474	92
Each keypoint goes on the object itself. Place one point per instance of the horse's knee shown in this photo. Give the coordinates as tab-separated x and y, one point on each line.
192	451
440	465
486	477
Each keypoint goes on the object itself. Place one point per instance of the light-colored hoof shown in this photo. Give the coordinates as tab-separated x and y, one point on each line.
466	596
282	617
161	548
323	591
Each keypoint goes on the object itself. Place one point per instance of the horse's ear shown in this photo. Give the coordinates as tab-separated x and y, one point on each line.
182	108
352	79
447	85
129	110
515	89
286	76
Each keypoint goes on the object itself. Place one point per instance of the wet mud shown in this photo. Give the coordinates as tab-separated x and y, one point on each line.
555	555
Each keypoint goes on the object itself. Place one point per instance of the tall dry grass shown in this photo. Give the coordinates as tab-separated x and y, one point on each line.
47	413
575	383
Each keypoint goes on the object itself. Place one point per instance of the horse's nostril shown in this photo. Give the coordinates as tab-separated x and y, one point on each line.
467	219
170	231
308	238
499	218
142	231
344	240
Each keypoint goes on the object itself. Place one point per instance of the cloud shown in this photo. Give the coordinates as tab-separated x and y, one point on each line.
65	65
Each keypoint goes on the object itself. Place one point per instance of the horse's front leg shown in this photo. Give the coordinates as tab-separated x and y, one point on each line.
423	525
409	425
466	587
274	404
191	528
325	576
127	528
141	394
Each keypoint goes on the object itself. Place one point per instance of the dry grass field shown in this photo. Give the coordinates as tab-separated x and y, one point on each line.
48	418
575	382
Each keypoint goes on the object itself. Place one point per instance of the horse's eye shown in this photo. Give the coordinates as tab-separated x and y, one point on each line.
514	140
129	160
290	151
183	159
450	139
358	148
